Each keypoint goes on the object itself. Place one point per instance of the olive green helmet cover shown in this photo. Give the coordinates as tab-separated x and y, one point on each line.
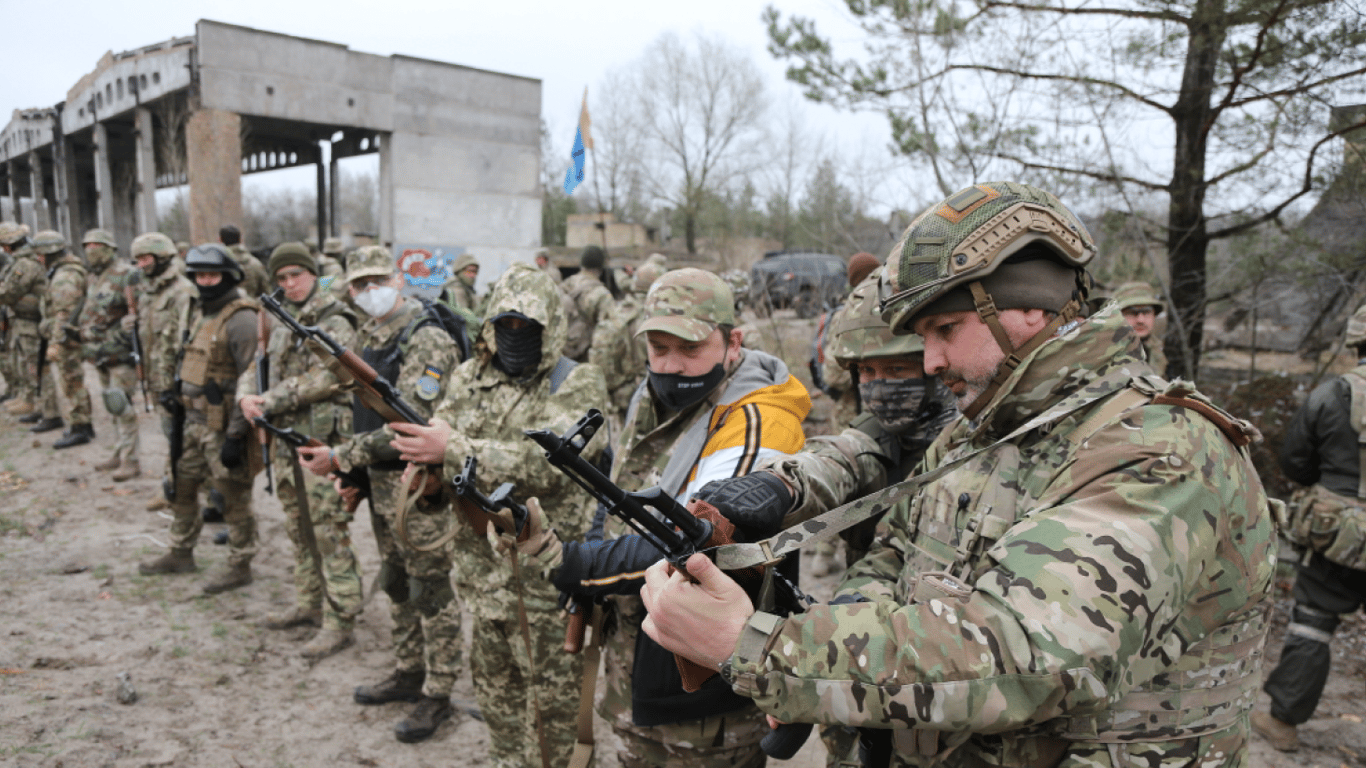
859	333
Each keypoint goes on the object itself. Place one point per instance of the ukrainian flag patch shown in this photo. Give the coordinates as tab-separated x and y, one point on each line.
430	384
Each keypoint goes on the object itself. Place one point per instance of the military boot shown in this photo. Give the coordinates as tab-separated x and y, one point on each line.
33	417
1280	735
79	434
398	686
326	643
129	469
294	617
47	425
110	463
175	561
158	503
429	714
232	577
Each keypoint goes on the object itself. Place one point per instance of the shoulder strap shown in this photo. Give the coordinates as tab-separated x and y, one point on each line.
1358	385
560	372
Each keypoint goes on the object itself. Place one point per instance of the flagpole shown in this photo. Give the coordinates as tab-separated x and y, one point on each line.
585	124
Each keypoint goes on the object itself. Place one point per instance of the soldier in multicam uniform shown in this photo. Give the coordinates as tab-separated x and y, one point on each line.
6	372
21	288
545	265
62	307
402	344
255	281
218	445
308	397
592	301
330	259
517	380
1140	305
1323	452
164	302
834	376
460	288
617	350
106	345
709	409
1088	587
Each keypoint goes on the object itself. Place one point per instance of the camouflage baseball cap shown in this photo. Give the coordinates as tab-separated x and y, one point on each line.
859	332
370	261
332	246
101	236
11	232
646	275
154	243
688	303
1356	328
970	235
48	241
1137	294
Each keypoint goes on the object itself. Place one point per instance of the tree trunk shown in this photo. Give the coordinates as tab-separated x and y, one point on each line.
690	230
1187	235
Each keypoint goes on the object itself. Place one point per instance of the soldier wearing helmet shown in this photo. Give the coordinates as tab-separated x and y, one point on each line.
1140	305
62	306
1324	453
21	290
218	348
708	409
254	281
1092	542
459	292
106	345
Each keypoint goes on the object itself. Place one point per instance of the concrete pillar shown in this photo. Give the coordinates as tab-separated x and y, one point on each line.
322	198
64	178
104	179
386	190
213	161
145	193
12	175
41	220
332	201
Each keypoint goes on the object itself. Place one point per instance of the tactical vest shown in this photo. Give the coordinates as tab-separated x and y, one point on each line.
388	363
207	359
958	519
323	419
1329	523
578	336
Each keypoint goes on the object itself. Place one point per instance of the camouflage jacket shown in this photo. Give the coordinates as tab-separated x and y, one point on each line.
302	393
104	342
489	411
618	353
255	281
64	300
23	285
1101	578
163	319
595	305
428	359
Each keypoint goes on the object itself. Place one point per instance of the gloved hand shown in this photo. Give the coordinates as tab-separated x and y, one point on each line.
536	540
129	322
167	399
233	452
756	502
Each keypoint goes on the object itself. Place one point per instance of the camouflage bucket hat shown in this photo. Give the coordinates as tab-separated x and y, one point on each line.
688	303
1137	294
859	332
370	261
1356	328
968	236
48	241
11	232
101	236
153	243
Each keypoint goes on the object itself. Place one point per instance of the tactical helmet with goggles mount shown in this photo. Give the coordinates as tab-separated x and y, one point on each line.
859	333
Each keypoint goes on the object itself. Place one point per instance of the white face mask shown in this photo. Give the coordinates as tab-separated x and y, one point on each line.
377	301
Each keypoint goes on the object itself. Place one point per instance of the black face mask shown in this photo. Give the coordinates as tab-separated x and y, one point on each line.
519	349
159	266
208	293
677	391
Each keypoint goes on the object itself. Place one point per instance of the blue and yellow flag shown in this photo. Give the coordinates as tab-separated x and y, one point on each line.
583	139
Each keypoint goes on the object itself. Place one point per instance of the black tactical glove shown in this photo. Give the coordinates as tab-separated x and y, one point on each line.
756	503
233	452
168	399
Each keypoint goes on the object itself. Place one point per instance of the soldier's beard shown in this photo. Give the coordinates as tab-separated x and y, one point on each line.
967	387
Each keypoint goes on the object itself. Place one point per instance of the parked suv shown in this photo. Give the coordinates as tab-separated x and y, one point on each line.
804	280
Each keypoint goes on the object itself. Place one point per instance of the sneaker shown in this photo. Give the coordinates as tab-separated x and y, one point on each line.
294	617
231	577
175	561
326	643
1282	736
398	686
423	721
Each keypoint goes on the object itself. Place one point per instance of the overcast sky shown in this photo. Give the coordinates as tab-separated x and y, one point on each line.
567	45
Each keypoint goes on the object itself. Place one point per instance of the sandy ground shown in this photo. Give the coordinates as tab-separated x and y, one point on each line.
213	689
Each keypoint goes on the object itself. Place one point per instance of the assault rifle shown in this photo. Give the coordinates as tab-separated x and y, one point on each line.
172	403
678	535
491	506
42	362
138	357
374	390
356	478
262	385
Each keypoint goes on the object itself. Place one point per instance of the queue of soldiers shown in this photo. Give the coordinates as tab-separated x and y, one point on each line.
1054	555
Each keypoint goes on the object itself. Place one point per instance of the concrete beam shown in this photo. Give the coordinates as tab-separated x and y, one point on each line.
213	150
41	220
104	179
145	193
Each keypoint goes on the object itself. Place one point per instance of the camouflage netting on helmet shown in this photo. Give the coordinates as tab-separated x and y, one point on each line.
101	236
48	241
968	236
153	243
859	333
12	232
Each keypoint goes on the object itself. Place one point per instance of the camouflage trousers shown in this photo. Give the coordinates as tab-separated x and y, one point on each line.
66	372
122	377
426	614
7	362
332	535
23	352
199	464
723	741
510	690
